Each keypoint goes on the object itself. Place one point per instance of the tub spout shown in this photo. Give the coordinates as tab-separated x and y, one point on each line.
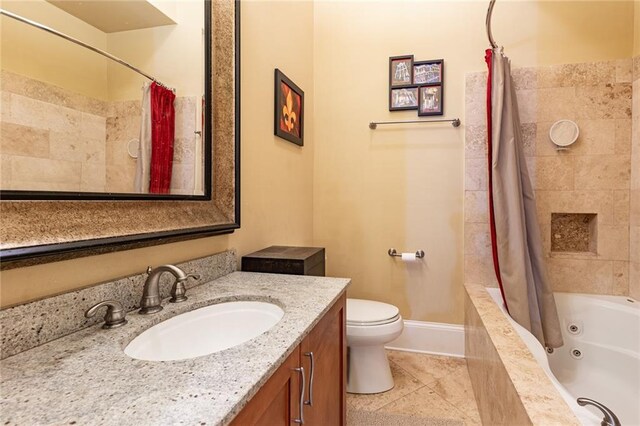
610	419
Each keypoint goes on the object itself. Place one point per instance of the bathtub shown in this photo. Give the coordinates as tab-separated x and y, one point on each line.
600	358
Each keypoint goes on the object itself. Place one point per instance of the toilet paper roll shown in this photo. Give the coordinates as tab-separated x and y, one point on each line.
408	257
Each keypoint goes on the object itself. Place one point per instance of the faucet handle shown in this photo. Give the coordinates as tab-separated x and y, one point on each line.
179	291
114	317
610	418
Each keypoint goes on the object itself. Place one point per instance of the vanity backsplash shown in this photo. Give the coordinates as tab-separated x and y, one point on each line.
26	326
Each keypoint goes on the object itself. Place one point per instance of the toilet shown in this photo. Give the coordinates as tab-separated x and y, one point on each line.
370	325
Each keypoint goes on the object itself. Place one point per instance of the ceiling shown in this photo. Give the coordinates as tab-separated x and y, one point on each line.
115	16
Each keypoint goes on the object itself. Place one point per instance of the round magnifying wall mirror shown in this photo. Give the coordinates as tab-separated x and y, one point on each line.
564	133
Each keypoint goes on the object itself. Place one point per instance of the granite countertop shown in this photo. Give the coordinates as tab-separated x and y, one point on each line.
86	378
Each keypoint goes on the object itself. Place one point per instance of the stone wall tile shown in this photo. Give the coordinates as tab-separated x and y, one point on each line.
602	172
476	174
620	278
581	275
613	242
476	208
23	140
624	71
604	101
554	173
621	200
475	145
556	104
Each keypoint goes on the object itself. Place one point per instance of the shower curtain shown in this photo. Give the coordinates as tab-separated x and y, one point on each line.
515	234
157	134
163	123
144	146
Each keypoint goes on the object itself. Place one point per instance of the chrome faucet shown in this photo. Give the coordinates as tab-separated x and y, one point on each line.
150	302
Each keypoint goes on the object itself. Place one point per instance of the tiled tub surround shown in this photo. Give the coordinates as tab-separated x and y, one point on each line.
26	326
123	125
86	378
592	177
57	140
51	139
634	219
509	385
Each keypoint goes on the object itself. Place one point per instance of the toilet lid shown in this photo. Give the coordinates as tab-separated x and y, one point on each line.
369	312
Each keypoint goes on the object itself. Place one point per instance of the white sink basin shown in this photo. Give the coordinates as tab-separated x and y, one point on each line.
204	331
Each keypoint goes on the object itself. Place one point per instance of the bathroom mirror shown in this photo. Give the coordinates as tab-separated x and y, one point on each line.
38	228
105	99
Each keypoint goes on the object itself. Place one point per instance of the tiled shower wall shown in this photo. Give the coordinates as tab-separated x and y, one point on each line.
592	177
51	139
634	251
54	139
123	125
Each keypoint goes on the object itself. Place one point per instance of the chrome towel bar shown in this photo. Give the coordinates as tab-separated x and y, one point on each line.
455	122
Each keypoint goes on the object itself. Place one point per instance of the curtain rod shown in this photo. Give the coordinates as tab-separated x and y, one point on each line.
455	122
78	42
488	23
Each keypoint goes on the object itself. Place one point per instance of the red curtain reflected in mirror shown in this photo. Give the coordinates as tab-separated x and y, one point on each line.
162	137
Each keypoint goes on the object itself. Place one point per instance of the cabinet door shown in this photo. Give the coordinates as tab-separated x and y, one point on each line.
277	403
325	397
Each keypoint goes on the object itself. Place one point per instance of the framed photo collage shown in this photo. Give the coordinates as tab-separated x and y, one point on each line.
416	85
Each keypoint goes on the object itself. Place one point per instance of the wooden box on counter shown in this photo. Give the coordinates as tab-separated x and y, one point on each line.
286	260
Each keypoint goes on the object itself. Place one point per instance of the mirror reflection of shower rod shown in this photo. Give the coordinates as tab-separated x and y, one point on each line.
455	122
78	42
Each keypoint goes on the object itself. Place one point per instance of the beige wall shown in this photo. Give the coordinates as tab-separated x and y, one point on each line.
35	54
171	53
276	175
402	186
581	31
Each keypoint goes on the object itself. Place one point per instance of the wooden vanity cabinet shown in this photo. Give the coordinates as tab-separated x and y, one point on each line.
278	401
324	397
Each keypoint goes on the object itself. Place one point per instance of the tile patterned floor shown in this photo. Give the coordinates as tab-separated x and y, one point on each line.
425	386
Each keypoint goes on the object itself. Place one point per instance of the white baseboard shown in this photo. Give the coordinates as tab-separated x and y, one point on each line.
430	338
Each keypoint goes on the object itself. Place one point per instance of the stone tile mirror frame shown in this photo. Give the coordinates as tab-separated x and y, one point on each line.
34	231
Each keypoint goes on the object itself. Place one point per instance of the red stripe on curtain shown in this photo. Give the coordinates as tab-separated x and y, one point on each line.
492	220
162	137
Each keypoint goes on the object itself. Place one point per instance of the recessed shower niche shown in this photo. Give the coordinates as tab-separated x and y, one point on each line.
574	233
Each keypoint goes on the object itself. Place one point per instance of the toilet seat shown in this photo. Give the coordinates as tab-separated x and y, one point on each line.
370	313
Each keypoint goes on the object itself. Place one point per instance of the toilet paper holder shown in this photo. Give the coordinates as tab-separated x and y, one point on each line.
392	252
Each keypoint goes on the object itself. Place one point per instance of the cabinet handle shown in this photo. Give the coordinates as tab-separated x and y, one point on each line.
310	401
302	386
